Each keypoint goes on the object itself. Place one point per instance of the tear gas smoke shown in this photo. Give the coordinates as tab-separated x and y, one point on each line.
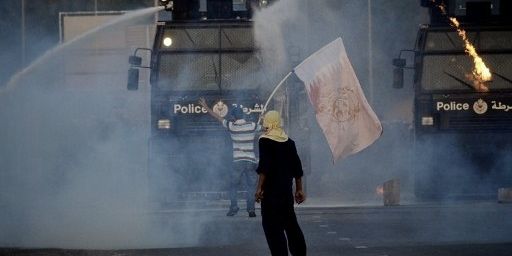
290	31
74	149
74	144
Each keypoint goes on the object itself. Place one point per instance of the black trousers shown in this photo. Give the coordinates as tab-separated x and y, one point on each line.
281	228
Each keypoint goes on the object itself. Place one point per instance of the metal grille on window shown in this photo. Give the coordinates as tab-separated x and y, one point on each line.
444	70
189	72
237	38
240	71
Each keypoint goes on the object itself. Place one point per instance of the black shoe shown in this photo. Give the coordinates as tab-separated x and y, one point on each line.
252	214
232	211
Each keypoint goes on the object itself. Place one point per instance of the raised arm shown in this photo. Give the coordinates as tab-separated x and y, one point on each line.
202	102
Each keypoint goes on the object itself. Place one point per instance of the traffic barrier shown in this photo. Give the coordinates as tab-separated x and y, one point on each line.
505	195
392	192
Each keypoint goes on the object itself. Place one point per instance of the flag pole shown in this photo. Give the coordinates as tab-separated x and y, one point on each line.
274	92
272	95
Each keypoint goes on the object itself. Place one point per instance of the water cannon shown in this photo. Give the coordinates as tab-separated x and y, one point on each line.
212	9
476	12
168	4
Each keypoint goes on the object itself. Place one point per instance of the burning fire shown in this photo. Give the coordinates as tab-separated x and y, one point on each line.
481	73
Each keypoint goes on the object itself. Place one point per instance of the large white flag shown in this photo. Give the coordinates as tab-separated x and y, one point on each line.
342	111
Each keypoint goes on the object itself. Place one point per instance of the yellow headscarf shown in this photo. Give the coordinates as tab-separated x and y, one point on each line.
272	124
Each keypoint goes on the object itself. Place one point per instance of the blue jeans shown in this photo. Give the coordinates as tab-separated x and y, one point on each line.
243	171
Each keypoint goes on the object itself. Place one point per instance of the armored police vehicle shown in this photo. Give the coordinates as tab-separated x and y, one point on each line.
462	126
202	49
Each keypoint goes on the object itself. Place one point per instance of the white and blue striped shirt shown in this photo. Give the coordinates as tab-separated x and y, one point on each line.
242	134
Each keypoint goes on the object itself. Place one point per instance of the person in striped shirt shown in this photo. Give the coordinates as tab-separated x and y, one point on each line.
242	134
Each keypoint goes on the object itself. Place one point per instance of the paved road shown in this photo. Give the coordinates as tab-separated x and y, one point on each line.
467	228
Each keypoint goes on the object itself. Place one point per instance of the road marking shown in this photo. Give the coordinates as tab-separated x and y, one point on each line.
324	226
344	239
361	247
331	232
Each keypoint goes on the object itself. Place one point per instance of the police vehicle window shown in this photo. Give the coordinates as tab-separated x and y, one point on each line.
203	72
485	40
495	40
452	72
181	71
208	58
177	39
237	38
445	41
240	71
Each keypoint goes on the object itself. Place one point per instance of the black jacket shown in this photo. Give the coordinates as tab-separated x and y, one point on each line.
280	163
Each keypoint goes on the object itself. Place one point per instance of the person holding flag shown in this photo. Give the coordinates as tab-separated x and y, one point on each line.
348	123
279	165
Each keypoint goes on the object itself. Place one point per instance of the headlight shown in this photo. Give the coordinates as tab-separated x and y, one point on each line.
164	124
427	120
167	42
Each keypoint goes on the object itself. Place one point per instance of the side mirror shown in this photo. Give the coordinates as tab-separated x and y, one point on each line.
398	73
399	63
133	79
398	78
135	64
135	61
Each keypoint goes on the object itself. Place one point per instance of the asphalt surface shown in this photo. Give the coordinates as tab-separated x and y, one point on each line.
462	228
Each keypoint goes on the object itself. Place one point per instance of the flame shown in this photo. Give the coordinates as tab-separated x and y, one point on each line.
442	7
481	73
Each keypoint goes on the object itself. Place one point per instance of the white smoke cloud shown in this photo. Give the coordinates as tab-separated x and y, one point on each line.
74	160
289	31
